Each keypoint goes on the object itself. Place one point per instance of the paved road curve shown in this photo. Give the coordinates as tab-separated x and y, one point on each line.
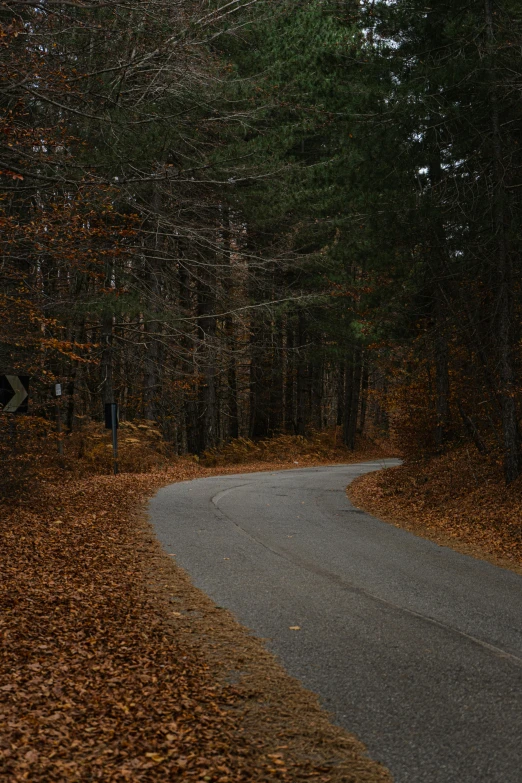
416	649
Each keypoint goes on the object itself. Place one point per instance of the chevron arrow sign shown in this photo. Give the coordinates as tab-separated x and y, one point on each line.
14	393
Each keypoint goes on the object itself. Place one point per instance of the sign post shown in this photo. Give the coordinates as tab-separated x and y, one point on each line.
111	423
58	392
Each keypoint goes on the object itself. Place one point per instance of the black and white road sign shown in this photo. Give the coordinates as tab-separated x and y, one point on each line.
14	393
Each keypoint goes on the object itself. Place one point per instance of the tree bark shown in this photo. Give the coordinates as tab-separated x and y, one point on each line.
152	358
364	397
189	439
208	416
289	377
341	382
504	271
351	427
302	376
107	357
472	429
276	392
231	375
441	384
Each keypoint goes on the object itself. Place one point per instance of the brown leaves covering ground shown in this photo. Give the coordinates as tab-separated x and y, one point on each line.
458	500
115	668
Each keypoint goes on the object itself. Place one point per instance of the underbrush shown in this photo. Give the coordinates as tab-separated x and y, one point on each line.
31	453
27	444
318	447
141	447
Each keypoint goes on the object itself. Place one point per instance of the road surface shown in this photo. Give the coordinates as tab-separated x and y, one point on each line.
414	648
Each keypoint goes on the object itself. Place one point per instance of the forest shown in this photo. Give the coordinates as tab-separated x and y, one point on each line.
247	218
282	238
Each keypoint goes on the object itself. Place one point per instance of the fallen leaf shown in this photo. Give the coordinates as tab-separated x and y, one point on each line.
155	757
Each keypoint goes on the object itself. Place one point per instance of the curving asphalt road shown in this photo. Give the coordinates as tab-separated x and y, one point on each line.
414	648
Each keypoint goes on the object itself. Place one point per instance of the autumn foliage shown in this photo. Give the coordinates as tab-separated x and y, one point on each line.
274	240
115	668
457	499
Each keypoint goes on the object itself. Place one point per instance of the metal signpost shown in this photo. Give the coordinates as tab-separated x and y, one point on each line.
58	393
111	423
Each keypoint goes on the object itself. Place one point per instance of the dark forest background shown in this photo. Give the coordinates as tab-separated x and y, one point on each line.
247	218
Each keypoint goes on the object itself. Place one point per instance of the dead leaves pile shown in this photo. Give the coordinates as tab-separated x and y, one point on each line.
97	682
458	500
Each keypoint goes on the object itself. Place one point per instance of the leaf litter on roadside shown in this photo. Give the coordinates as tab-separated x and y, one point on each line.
102	681
458	499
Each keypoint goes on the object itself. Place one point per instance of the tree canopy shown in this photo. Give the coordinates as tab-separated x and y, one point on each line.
247	218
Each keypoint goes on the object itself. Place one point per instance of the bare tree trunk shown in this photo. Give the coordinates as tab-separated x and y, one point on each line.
276	391
316	393
437	254
504	270
208	417
289	377
107	357
106	366
230	340
260	369
233	408
354	398
152	358
341	382
190	406
442	385
472	429
348	393
302	376
364	397
71	385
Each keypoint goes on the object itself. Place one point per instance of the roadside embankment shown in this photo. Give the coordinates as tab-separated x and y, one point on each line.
458	500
